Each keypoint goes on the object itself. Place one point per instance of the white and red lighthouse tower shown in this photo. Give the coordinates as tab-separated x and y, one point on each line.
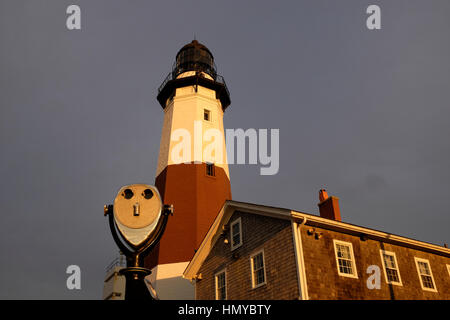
194	98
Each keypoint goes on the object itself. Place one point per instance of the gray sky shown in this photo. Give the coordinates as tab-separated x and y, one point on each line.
364	114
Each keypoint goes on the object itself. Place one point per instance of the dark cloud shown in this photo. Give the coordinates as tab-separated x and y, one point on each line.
362	113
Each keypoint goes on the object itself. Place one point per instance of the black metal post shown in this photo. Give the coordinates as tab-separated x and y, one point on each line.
135	287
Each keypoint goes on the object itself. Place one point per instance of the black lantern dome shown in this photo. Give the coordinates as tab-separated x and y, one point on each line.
196	57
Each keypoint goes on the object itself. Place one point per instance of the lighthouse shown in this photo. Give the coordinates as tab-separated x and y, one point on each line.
193	98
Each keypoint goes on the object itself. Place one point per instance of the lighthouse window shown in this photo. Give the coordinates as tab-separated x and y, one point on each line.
210	169
206	115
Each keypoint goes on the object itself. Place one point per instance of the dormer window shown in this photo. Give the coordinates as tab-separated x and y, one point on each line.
236	233
210	169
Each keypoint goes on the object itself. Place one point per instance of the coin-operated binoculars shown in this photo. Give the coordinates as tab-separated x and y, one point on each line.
137	220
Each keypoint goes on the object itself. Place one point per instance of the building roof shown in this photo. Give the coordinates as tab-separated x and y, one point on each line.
194	44
230	206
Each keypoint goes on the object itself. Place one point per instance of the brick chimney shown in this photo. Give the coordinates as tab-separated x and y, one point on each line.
329	206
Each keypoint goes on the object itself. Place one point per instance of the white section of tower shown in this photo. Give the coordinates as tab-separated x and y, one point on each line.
184	116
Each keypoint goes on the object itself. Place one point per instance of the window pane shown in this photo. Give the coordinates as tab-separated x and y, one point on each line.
236	232
258	269
423	268
236	239
389	261
260	276
427	282
258	261
344	256
343	251
221	286
425	274
206	114
236	228
392	275
210	169
391	268
345	266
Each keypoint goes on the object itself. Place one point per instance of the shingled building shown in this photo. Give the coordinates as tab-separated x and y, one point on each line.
258	252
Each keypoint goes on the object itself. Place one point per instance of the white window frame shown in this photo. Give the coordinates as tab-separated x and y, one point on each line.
390	253
239	222
216	277
254	286
349	244
417	260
